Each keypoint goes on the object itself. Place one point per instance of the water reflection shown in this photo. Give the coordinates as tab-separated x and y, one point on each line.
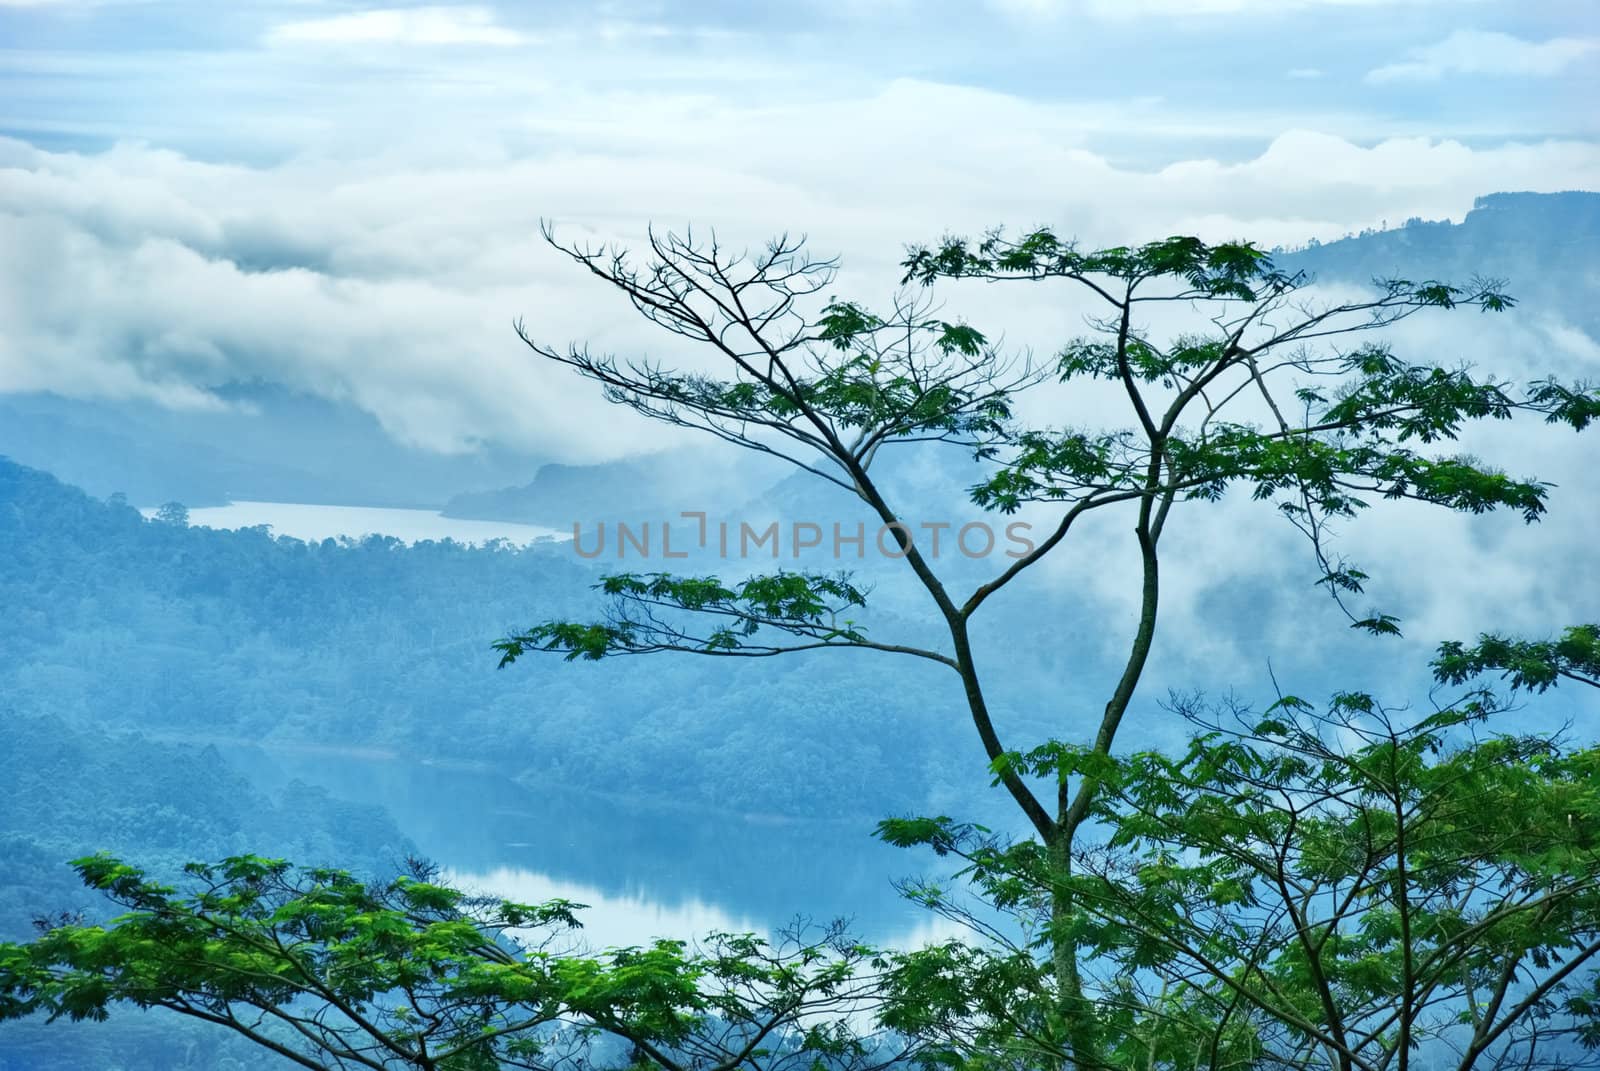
687	869
316	523
613	920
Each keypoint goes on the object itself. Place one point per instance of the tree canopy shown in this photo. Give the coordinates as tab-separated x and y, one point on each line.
329	971
1292	397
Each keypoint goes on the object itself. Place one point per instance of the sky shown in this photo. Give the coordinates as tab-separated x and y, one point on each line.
345	198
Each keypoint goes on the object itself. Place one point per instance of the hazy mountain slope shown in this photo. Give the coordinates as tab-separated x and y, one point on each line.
76	791
652	488
272	445
72	792
1545	246
116	621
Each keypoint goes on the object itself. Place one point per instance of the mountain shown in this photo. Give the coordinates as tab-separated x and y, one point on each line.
383	647
271	444
1543	245
657	486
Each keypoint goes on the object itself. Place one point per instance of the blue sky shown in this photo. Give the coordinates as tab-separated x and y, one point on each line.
1149	81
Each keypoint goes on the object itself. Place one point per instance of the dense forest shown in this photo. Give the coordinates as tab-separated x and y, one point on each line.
119	622
138	652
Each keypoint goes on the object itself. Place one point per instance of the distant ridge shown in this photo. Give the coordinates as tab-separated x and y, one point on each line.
653	487
1507	215
1526	201
273	444
1544	247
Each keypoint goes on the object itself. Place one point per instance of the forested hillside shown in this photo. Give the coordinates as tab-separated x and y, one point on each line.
72	792
1541	244
153	673
115	622
263	443
150	671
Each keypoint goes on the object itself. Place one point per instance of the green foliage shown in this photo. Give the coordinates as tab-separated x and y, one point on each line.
1577	405
1343	428
1344	449
861	390
1534	665
1296	886
1230	270
804	605
331	971
1291	889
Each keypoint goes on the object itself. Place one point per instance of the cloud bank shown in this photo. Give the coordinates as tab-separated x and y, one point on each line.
392	283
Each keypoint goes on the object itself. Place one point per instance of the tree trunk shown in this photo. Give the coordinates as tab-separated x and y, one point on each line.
1076	1015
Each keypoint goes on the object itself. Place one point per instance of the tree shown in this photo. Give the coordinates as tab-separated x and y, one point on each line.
1531	664
173	513
1297	889
331	972
1255	396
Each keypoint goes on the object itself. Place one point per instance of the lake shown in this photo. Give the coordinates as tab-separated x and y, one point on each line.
643	873
314	523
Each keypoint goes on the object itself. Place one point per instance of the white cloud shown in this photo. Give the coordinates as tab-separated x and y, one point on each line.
390	279
1480	52
1133	9
401	26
